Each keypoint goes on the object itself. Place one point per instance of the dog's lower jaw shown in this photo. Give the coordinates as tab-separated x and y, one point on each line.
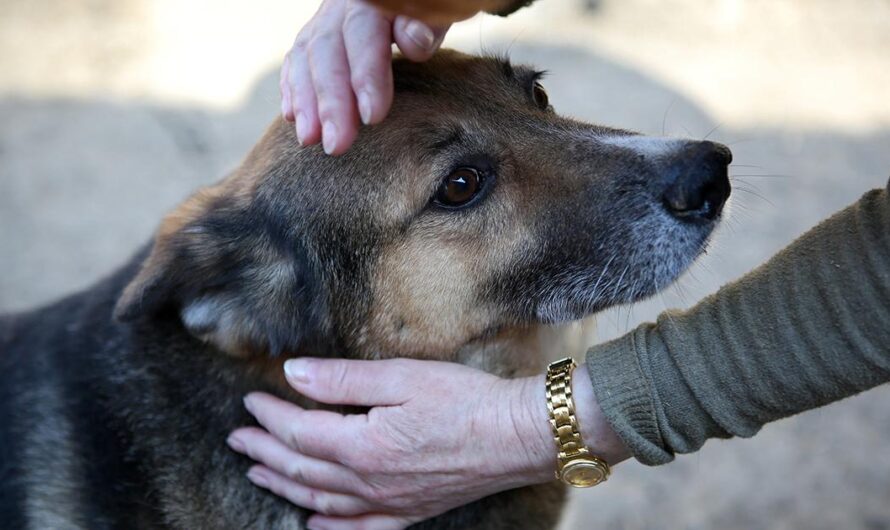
525	350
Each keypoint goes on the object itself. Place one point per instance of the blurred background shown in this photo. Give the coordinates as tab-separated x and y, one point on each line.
112	111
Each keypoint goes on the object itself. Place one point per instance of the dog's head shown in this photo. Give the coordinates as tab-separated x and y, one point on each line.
473	207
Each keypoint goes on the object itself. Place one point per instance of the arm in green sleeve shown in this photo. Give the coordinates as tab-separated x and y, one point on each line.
809	327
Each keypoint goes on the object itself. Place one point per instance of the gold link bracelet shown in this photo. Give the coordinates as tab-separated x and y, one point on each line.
575	465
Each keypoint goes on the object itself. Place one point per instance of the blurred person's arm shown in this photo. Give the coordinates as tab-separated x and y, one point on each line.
338	73
809	327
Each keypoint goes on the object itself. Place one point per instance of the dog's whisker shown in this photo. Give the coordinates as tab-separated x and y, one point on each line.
712	131
755	194
666	112
760	175
615	289
739	141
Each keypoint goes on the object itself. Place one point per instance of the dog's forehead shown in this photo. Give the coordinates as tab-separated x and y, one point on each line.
453	74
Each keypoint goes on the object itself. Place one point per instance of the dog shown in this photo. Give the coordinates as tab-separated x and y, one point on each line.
466	227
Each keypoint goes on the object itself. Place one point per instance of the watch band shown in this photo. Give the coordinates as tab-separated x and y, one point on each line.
575	464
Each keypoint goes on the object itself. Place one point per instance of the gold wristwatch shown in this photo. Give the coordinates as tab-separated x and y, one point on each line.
575	465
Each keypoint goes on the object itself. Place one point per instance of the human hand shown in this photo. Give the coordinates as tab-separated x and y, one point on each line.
434	427
340	69
439	12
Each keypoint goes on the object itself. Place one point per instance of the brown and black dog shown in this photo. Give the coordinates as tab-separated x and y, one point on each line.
462	228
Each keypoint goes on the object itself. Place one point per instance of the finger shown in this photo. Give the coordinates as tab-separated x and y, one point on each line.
329	67
302	94
377	522
316	433
349	382
313	499
287	109
271	452
367	35
417	40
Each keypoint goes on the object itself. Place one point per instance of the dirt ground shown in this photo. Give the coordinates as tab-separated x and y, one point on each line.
112	111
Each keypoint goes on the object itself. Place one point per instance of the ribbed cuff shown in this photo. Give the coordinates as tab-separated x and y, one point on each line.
624	393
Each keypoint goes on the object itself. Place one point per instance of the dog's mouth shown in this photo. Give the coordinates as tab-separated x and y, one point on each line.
652	255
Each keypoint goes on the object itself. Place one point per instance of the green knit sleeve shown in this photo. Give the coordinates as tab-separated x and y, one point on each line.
809	327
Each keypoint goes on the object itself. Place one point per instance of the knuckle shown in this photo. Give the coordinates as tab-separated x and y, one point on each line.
399	499
365	76
295	471
359	78
322	39
334	374
330	94
403	366
321	502
293	439
353	460
360	17
362	466
388	447
376	495
300	44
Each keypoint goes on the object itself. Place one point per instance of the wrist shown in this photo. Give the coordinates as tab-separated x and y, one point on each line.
596	431
523	452
530	448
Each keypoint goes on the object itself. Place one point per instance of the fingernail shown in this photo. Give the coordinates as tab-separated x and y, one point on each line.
302	126
329	137
257	478
421	34
364	106
236	444
296	370
247	404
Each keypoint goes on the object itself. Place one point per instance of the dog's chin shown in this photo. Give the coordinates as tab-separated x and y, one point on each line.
647	272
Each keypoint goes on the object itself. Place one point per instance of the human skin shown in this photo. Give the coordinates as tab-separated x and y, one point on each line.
338	73
442	11
432	426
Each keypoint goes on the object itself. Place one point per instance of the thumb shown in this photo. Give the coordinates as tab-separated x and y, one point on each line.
417	40
349	382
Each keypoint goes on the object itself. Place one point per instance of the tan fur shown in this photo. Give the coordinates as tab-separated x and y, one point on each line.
425	292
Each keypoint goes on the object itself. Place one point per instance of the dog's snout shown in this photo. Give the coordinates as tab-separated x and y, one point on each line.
701	184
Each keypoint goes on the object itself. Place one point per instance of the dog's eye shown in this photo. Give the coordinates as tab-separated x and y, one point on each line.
540	95
459	188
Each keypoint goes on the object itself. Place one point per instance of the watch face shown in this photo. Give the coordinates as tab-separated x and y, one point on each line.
583	474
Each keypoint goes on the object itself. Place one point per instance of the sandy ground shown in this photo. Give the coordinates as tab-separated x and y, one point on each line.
113	111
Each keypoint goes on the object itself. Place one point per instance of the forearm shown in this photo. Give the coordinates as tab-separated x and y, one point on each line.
809	327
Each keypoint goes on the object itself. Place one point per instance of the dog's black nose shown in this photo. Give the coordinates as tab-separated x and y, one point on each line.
701	184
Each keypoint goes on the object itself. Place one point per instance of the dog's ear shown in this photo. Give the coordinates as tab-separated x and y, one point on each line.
234	279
